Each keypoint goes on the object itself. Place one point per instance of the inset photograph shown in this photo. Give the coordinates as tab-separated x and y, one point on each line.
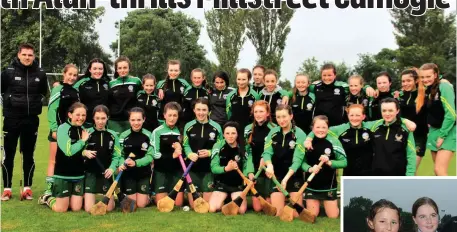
399	205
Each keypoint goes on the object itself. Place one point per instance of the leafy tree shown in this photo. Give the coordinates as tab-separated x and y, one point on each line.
312	67
358	209
226	29
368	66
151	37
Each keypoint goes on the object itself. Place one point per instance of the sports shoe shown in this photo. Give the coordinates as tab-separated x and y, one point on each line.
27	194
43	199
6	196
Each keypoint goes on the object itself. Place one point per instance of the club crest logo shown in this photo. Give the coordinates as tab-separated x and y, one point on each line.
179	138
292	144
105	86
144	146
78	188
154	102
327	151
250	102
418	149
237	158
37	79
111	144
294	106
365	102
210	185
309	106
398	138
212	135
279	101
143	188
181	89
437	97
224	96
336	91
130	88
365	136
105	188
297	184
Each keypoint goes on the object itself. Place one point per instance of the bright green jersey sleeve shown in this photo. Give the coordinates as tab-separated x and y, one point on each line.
186	145
80	82
220	137
228	103
248	165
411	155
155	142
148	157
371	125
299	151
116	152
184	82
64	141
53	107
160	84
216	168
448	100
268	149
344	85
340	160
283	93
247	132
335	131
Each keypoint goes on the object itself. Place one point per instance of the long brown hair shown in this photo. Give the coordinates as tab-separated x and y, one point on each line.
118	60
420	99
290	112
267	108
294	96
170	62
436	82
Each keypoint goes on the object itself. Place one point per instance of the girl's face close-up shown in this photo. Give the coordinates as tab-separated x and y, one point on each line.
230	135
356	116
78	117
219	83
96	70
283	118
201	112
197	79
149	86
123	68
428	76
258	76
100	119
70	76
301	83
242	80
260	114
171	117
355	86
389	111
383	84
328	76
270	82
426	218
386	220
408	83
320	128
136	121
173	71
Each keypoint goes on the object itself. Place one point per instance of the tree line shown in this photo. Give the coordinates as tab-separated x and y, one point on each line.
150	37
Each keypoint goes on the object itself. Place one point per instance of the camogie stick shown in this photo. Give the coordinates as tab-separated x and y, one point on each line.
167	203
200	205
233	207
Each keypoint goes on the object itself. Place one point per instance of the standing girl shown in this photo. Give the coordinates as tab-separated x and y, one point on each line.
149	102
198	89
166	141
200	135
136	140
356	95
218	97
62	97
240	100
440	103
68	187
255	135
93	87
383	83
283	157
103	154
272	93
302	103
122	95
324	185
226	156
259	73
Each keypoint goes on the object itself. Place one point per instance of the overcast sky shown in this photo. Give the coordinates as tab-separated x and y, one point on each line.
404	192
328	34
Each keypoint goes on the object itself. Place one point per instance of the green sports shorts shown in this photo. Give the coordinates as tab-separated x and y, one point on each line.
449	141
164	182
96	183
221	187
203	181
323	196
67	187
293	184
131	186
264	185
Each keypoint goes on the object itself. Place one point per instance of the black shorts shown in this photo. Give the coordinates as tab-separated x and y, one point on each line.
421	144
293	184
322	196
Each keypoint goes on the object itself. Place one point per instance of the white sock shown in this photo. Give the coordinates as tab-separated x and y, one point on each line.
7	189
26	188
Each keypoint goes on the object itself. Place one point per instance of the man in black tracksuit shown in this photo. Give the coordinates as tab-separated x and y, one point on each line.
23	87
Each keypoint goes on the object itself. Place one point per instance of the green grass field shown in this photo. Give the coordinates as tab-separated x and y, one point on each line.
29	216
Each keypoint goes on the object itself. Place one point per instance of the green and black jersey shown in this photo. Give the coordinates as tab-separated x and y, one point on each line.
273	98
255	136
122	97
257	88
191	94
150	103
201	136
163	138
221	154
330	100
374	105
303	109
394	148
361	99
173	91
62	97
69	159
326	179
284	150
93	92
218	103
441	109
138	143
239	107
407	101
106	144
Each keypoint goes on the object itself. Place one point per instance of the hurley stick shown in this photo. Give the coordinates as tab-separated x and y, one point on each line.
167	203
200	205
233	207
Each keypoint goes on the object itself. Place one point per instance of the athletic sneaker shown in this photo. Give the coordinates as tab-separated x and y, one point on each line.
27	194
43	198
6	196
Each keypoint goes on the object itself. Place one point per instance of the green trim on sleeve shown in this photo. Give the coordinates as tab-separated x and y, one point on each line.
53	107
448	100
216	168
340	156
299	151
64	141
186	145
411	155
116	151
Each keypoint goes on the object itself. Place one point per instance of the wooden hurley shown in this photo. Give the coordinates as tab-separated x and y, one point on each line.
232	207
167	203
200	205
267	208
